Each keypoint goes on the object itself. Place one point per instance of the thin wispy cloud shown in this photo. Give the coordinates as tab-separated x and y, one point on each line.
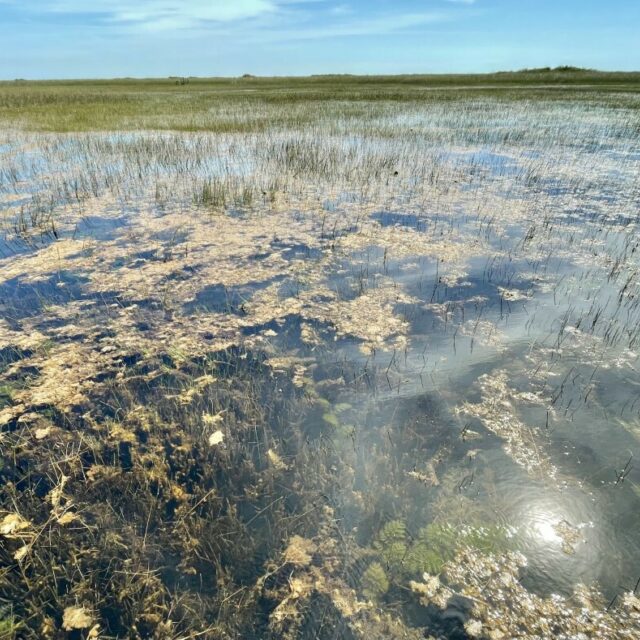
294	19
341	9
377	25
157	14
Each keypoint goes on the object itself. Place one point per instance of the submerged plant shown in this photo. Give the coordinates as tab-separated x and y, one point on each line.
9	626
375	582
435	544
392	544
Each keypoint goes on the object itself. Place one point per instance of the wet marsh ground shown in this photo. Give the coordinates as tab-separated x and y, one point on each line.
324	358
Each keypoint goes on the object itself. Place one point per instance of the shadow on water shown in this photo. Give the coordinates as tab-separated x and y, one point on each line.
392	219
224	299
297	251
101	228
23	299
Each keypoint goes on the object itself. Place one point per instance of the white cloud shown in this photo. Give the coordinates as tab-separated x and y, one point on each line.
250	20
341	10
162	14
378	25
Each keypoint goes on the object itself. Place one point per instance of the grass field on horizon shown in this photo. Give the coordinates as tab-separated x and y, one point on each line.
203	104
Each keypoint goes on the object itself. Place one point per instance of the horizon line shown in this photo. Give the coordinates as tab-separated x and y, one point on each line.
250	76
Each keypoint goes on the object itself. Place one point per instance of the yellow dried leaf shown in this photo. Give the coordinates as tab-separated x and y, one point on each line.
76	618
210	419
300	551
55	495
67	518
28	418
13	523
276	460
21	553
216	438
11	413
41	434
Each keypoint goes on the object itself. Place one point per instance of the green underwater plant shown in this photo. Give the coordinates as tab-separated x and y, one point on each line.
392	544
375	582
8	628
423	558
331	419
434	545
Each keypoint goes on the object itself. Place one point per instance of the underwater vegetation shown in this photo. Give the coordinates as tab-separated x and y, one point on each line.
404	556
358	365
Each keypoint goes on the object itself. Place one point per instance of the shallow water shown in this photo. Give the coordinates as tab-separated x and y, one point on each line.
459	360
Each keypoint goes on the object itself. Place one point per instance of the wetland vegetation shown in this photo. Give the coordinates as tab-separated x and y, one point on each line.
329	357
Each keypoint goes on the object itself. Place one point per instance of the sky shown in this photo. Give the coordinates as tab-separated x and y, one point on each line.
41	39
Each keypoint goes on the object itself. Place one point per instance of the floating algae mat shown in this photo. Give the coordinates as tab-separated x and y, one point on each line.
367	378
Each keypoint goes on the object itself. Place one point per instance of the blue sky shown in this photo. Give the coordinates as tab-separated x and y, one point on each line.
108	38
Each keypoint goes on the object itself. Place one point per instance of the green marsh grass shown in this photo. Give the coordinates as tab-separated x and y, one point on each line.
237	105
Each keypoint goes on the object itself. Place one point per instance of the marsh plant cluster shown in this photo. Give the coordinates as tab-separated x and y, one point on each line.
368	372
